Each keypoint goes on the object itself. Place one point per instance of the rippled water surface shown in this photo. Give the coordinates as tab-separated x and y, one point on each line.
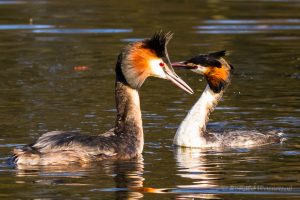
42	43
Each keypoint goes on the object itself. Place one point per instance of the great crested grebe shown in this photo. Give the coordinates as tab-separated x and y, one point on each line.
192	131
136	62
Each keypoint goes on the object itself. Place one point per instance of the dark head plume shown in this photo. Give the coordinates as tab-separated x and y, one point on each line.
208	60
158	42
218	54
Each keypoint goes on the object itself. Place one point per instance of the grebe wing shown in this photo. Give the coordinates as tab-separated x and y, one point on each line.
74	141
249	138
108	133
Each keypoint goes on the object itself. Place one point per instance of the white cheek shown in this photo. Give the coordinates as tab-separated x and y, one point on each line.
200	69
156	69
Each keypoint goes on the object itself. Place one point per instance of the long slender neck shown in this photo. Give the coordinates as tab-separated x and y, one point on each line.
192	130
129	119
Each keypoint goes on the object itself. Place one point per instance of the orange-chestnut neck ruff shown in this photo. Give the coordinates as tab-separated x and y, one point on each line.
218	77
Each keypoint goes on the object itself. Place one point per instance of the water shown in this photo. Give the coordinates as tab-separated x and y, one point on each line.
43	41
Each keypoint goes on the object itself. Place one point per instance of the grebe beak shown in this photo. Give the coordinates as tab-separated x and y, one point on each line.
172	76
184	65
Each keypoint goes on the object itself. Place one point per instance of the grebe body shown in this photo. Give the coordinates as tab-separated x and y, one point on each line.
192	131
136	62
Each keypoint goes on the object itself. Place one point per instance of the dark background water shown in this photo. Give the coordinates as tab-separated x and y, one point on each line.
42	41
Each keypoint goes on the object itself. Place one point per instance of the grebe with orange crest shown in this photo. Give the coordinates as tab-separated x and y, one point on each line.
136	62
192	131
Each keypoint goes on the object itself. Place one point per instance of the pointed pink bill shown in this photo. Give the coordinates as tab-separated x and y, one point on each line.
183	65
172	76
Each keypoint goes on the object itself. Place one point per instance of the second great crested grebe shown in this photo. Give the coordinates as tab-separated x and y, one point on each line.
192	131
136	62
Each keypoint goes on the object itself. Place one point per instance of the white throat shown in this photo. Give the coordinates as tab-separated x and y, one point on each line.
192	129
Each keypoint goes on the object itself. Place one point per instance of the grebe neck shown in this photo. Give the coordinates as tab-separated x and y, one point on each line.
192	130
129	120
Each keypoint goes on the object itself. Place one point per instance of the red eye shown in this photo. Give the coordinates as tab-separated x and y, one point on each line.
161	64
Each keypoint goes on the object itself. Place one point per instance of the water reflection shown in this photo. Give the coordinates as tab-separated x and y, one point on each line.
82	31
127	177
249	21
193	164
11	2
23	26
206	173
248	26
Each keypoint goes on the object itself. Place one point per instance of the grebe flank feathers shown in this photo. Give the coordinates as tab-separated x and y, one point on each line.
136	62
192	130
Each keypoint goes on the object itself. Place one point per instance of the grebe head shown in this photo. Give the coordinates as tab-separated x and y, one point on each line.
213	66
149	57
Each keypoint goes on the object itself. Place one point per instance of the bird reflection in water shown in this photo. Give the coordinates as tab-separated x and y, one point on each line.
129	180
193	164
127	177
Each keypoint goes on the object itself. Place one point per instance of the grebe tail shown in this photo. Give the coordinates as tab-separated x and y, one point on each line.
136	62
192	131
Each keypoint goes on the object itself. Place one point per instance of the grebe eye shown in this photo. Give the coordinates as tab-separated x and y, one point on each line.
161	64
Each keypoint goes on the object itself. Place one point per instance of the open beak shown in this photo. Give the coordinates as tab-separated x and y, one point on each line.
172	76
183	65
